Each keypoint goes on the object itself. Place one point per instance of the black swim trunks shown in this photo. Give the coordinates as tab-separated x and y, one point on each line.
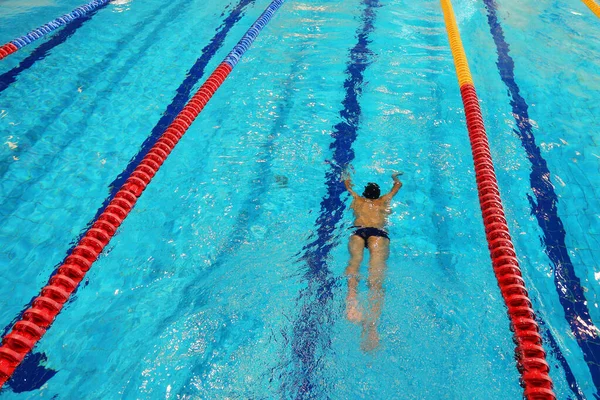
366	233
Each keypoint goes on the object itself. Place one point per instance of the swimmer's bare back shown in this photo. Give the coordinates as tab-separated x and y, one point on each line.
372	212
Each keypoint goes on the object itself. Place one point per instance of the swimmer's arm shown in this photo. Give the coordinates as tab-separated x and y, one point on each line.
349	185
395	188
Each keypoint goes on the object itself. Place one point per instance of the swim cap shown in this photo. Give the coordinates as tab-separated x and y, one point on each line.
372	191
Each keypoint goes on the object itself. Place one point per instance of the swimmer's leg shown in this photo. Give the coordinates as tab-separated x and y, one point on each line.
356	247
379	248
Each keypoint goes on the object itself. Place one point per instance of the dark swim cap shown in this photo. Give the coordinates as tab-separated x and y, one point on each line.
372	191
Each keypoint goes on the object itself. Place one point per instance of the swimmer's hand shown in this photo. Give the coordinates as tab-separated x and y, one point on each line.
348	183
346	173
395	178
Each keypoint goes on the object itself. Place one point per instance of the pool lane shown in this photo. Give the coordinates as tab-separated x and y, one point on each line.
9	77
63	101
249	212
31	375
311	328
544	207
57	23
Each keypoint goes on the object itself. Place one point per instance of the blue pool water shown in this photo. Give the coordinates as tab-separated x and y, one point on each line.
227	279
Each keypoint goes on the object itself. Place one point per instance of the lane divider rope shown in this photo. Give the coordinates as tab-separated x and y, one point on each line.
38	318
593	6
531	357
51	26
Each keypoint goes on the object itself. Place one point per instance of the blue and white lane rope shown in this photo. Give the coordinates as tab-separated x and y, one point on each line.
244	44
50	27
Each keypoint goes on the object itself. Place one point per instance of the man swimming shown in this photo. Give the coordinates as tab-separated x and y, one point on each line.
370	211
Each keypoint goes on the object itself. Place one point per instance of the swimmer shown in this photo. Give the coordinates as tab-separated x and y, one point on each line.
370	212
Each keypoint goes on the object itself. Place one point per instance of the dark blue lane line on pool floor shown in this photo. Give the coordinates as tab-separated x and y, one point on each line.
28	375
544	207
9	77
311	328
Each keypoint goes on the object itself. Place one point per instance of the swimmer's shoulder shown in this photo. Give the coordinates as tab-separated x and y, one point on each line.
382	201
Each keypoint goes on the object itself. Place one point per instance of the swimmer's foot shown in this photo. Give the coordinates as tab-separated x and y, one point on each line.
370	338
352	312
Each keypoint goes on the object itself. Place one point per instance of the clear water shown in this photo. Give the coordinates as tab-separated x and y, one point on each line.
208	290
